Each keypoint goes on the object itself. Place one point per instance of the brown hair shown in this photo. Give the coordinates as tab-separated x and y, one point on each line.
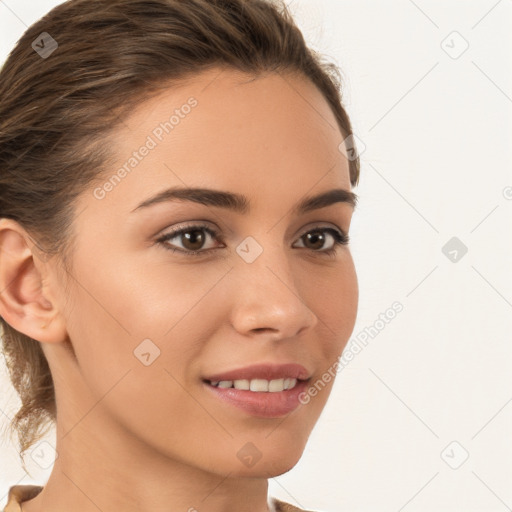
57	110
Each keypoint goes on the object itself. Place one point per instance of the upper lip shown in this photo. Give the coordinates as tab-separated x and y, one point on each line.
263	371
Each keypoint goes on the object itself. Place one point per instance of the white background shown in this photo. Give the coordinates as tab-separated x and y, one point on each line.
435	136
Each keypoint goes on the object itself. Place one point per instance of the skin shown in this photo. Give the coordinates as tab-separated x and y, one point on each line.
138	438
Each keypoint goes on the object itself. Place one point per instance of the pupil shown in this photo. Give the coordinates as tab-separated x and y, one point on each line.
197	241
316	236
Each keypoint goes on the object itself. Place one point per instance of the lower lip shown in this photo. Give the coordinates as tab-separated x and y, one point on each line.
263	404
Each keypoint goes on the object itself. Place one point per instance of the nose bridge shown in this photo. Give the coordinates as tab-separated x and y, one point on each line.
265	263
268	297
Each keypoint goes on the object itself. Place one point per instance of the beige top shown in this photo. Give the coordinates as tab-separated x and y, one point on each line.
20	493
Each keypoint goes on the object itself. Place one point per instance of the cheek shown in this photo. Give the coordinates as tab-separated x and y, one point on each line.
334	297
134	386
115	320
157	299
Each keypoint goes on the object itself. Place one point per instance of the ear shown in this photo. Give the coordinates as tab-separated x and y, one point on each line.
26	303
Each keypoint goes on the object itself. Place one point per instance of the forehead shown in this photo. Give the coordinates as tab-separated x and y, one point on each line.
272	133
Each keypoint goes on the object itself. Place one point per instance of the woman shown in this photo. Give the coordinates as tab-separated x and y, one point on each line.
176	282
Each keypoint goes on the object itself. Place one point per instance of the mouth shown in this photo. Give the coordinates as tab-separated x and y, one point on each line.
258	397
257	385
262	390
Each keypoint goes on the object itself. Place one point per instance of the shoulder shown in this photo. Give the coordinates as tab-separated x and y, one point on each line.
281	506
18	494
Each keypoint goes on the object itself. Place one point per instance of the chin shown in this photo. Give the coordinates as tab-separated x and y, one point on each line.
269	469
276	462
283	466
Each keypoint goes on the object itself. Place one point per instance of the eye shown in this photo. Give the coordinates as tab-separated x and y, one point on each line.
193	238
316	237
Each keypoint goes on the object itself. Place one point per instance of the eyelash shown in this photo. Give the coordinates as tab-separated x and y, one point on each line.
340	239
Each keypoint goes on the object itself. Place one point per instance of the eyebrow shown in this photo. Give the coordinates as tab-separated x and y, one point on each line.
240	204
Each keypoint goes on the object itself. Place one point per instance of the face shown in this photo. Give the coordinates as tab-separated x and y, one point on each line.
150	320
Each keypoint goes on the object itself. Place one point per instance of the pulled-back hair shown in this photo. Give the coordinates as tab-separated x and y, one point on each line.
58	108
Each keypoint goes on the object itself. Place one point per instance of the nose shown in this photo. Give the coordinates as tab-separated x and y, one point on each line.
268	301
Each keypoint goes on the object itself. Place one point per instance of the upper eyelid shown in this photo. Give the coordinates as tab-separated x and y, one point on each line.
176	231
216	232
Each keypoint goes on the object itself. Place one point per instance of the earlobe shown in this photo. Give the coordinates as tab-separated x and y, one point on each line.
23	303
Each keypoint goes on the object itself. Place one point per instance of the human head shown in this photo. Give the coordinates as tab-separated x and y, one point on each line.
57	113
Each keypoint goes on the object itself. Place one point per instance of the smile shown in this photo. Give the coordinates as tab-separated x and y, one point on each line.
257	385
258	397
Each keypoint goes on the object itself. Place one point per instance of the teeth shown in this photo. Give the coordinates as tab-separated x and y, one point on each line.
242	384
257	385
276	385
